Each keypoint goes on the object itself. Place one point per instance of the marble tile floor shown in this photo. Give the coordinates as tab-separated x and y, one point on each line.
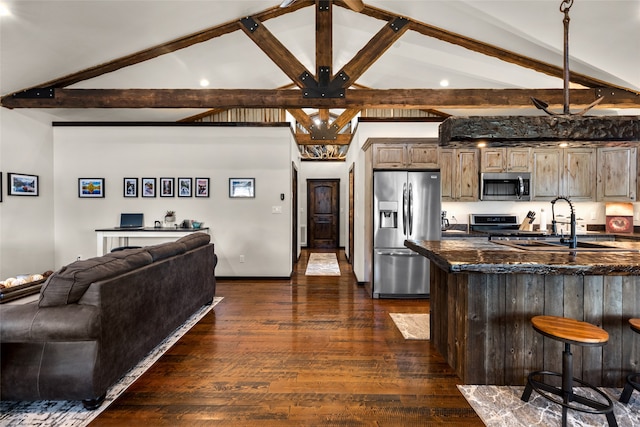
412	326
501	406
71	413
322	264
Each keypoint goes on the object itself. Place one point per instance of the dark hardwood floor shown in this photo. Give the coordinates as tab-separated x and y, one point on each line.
310	351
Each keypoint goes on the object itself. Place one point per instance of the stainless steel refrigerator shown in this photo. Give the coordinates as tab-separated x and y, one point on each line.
407	206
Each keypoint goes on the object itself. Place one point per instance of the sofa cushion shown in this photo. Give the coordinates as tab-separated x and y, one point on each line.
165	250
67	285
194	240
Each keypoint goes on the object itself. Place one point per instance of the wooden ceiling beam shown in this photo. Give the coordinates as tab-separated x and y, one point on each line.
324	36
301	117
343	119
169	47
292	98
491	50
276	51
373	50
341	139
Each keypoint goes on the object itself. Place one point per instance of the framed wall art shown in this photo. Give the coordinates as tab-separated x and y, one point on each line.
90	187
130	188
184	187
167	187
148	187
20	184
242	187
202	187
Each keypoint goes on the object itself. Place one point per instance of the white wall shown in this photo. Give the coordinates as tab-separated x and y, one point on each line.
238	226
325	170
26	222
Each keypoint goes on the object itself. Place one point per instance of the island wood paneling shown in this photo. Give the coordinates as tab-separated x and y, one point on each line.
481	324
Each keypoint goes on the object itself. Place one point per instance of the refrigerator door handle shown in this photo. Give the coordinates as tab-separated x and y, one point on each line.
410	232
404	209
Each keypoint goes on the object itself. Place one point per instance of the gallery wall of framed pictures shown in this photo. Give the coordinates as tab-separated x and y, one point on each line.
165	187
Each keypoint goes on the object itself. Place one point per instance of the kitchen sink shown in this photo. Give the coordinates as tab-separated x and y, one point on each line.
558	246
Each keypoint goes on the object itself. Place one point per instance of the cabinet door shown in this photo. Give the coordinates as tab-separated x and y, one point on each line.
493	159
546	173
617	174
518	159
447	173
466	187
580	172
389	156
422	156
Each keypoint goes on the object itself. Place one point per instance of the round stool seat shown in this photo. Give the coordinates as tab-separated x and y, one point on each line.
570	330
635	325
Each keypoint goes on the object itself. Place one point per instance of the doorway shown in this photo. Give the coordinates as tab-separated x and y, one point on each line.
323	208
294	212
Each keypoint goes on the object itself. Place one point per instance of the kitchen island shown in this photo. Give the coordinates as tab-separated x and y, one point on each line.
483	295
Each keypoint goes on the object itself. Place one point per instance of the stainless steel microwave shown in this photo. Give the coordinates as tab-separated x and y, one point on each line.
505	186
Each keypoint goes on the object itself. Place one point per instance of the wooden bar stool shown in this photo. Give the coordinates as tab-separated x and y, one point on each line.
569	331
633	380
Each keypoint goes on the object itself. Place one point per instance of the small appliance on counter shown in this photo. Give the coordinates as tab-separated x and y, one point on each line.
619	217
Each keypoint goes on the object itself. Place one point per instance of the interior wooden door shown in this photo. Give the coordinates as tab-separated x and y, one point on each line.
323	205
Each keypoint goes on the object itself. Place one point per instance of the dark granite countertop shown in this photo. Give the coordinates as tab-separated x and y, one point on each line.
479	255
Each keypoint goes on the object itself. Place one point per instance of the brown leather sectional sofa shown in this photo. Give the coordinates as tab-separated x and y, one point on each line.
97	318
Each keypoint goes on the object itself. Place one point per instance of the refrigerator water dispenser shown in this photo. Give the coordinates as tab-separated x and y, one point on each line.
388	214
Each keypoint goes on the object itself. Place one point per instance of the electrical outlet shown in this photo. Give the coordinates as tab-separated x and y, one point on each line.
276	209
593	215
241	258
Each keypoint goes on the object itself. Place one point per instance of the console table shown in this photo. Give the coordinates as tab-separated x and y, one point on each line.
166	232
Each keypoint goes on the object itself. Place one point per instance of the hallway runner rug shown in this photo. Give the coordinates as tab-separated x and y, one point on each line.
322	264
71	413
501	406
412	326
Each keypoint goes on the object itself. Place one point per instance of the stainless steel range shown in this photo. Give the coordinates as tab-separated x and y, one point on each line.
493	222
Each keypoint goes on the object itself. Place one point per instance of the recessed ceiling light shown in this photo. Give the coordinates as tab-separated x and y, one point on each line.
444	82
4	10
204	82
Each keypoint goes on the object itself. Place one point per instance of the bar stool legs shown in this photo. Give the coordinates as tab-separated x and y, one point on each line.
633	380
633	383
561	329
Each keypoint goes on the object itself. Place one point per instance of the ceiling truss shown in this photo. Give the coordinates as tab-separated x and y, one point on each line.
320	89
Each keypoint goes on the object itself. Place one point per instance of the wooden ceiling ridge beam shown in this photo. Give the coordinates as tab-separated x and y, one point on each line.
164	48
292	98
494	51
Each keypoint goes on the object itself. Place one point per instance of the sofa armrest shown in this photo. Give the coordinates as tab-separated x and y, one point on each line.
31	323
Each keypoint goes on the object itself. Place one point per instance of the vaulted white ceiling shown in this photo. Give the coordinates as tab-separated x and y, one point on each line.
44	40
